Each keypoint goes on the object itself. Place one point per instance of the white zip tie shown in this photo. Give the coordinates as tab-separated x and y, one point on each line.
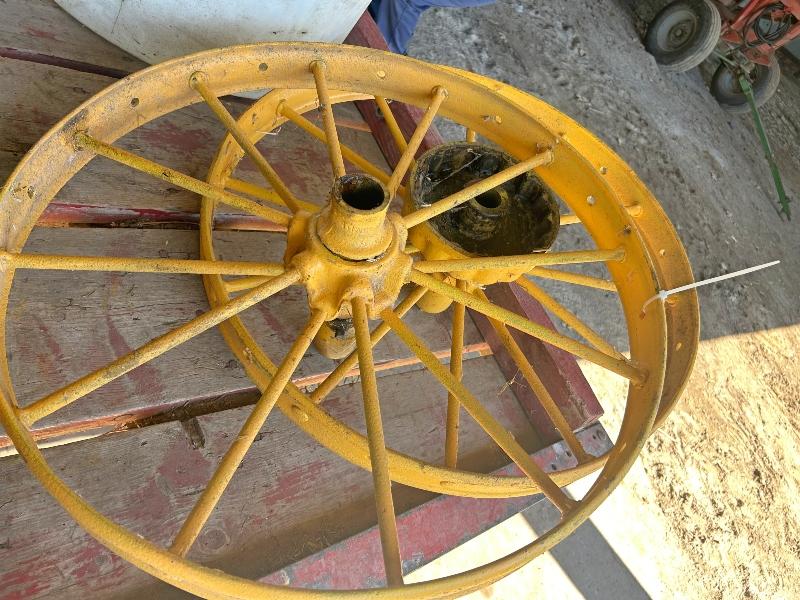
662	295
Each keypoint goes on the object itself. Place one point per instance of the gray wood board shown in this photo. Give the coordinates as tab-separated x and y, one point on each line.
62	325
289	498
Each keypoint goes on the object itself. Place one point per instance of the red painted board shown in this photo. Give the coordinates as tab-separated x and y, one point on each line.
426	531
557	369
290	497
65	214
366	33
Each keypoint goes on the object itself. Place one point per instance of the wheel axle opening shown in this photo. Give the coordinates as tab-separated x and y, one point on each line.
491	204
362	192
490	199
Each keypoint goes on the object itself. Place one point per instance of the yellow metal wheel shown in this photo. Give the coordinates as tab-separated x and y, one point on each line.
352	259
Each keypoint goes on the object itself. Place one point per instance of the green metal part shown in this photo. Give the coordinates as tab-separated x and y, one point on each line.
768	154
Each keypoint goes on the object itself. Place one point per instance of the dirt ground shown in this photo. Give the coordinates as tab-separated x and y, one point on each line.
710	510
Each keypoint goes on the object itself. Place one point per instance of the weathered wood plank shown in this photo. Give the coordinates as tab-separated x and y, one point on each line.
41	26
62	325
357	561
37	96
289	498
366	33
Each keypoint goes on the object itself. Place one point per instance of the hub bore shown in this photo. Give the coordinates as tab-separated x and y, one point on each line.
354	225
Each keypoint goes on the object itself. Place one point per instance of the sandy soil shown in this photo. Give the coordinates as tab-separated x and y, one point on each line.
711	509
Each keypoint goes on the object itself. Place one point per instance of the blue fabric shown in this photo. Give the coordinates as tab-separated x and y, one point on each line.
397	19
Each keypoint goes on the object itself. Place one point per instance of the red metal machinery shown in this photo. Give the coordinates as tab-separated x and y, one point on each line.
745	35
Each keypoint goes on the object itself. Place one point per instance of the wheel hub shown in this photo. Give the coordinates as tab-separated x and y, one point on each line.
678	33
352	247
678	30
517	217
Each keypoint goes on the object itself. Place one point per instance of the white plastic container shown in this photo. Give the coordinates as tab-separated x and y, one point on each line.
156	30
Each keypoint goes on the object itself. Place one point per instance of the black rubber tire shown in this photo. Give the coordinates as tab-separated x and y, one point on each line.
683	34
726	89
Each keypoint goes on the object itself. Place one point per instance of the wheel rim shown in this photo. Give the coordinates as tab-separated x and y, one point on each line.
351	73
677	30
669	258
727	82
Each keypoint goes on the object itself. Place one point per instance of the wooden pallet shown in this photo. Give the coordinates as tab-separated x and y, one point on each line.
164	426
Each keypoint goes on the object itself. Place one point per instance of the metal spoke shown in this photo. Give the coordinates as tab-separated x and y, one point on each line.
574	278
243	283
476	189
391	123
439	95
199	82
456	369
347	364
59	262
524	261
569	220
536	384
317	68
381	481
567	317
262	193
483	417
621	367
88	383
351	155
233	457
174	177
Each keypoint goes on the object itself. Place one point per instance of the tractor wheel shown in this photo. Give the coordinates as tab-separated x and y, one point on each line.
683	34
726	89
348	254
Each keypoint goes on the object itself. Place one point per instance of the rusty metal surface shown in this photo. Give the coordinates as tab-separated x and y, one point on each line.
518	216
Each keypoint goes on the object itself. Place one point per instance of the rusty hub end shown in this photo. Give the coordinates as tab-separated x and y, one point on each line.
518	217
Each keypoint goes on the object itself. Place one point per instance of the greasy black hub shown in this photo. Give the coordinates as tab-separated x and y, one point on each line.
517	217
